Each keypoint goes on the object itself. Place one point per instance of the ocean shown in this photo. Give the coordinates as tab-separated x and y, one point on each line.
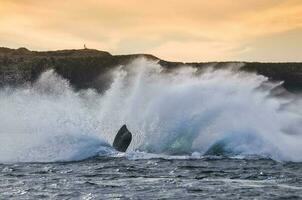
197	134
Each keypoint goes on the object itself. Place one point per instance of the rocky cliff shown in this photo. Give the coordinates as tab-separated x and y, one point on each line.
85	68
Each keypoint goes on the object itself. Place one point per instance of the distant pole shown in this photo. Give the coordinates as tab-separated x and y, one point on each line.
85	46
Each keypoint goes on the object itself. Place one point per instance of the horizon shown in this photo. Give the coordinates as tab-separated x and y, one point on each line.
159	58
182	31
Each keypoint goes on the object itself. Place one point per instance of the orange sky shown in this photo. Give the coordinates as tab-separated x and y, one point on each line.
179	30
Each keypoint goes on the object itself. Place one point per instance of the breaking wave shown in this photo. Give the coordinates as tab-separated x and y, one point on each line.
184	112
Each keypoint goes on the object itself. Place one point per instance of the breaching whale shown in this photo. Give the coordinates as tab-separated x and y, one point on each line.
122	139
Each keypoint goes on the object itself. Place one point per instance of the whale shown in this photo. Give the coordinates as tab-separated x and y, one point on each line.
122	139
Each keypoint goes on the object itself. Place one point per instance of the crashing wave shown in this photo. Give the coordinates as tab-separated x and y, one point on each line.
187	110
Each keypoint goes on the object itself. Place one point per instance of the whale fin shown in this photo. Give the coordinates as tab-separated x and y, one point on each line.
122	139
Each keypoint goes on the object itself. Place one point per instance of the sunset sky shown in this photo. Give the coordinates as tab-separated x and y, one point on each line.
178	30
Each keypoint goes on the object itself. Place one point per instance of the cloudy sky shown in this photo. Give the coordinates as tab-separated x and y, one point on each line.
178	30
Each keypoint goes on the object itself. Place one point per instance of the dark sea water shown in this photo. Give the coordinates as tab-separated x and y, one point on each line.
158	178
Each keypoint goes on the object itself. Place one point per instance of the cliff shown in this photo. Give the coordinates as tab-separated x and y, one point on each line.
84	68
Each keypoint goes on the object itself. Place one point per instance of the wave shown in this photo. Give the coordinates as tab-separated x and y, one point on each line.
169	113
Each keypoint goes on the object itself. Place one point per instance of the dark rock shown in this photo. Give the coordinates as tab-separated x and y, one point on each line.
122	139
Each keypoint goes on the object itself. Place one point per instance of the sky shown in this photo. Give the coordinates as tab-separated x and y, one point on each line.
174	30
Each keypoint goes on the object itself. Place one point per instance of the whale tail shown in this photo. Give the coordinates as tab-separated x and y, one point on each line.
122	139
